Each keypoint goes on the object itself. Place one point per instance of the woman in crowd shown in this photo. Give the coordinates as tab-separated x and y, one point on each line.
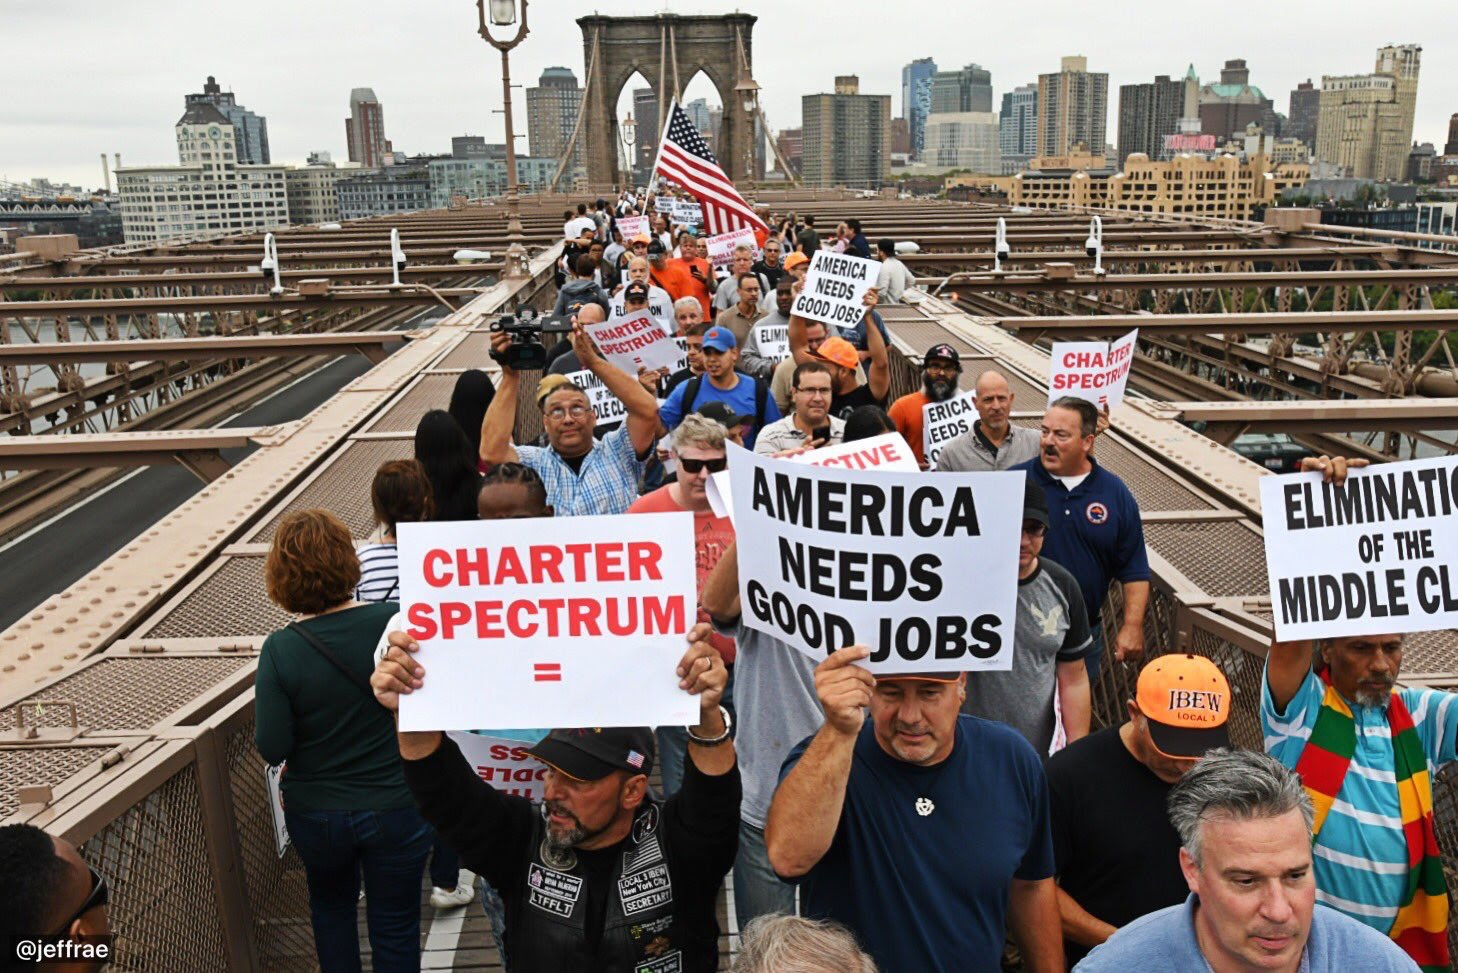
348	811
469	399
453	469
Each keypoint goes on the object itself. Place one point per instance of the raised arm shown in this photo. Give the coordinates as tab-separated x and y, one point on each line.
720	597
701	673
799	344
642	405
878	376
500	418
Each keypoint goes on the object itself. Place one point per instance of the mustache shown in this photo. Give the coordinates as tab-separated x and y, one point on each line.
900	727
555	807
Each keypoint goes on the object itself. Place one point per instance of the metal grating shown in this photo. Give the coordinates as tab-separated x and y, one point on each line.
473	352
1424	654
431	392
1154	488
1445	822
163	908
229	602
24	766
131	694
278	897
1224	559
343	487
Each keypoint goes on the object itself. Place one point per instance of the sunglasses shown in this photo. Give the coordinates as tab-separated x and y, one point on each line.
712	465
99	896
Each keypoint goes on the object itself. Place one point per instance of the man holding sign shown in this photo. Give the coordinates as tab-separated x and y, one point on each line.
600	875
1365	750
842	357
931	415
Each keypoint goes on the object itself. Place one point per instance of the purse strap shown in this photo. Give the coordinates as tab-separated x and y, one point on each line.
324	650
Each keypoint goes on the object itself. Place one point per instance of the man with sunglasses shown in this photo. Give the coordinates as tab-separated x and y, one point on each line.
47	891
1052	637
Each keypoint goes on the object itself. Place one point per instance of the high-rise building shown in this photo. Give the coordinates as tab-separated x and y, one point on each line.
969	89
210	193
698	113
312	191
791	143
364	129
1302	111
552	108
847	137
251	129
1451	146
1150	111
963	140
1230	105
901	137
916	98
1017	125
1073	108
479	177
1364	124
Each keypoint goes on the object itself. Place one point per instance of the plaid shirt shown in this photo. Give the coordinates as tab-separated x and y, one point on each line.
607	483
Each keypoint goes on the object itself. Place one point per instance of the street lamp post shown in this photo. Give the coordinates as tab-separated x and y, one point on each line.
628	129
503	13
748	92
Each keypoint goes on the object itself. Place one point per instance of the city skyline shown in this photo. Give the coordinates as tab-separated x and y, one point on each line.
54	124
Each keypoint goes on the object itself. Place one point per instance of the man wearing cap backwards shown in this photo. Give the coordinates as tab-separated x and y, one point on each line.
940	371
922	830
1366	751
810	423
1117	853
721	382
600	876
1052	638
1245	852
844	361
993	443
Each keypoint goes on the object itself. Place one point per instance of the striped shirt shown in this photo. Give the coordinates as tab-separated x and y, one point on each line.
379	573
1361	855
607	481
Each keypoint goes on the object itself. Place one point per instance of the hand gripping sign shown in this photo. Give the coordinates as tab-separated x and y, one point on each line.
922	569
539	622
1378	554
634	341
1092	370
835	288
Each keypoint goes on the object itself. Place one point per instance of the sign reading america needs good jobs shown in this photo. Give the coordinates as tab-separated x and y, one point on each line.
518	628
634	341
923	570
835	287
1378	554
942	422
1091	370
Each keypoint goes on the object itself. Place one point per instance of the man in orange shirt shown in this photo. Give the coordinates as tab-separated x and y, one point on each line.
940	370
674	276
697	269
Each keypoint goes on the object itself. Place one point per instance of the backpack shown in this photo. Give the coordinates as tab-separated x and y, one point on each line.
761	396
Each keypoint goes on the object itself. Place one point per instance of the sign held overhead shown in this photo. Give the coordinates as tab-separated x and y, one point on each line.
835	288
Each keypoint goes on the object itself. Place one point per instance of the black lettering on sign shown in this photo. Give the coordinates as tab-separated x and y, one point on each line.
1350	595
855	575
1375	498
866	508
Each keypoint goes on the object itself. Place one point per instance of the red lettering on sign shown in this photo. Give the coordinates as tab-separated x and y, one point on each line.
422	622
432	578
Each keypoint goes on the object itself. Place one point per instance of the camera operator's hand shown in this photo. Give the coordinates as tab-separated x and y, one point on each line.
500	343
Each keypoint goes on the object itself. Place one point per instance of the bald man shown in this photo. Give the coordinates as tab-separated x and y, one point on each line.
47	890
993	443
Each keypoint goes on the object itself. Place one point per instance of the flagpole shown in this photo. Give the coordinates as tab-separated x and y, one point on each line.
662	138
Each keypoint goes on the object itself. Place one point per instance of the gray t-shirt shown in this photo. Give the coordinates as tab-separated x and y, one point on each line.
971	453
1052	627
774	697
1165	940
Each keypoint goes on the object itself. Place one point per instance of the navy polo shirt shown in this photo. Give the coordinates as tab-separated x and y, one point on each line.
1095	531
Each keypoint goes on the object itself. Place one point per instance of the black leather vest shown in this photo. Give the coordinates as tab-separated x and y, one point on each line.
639	931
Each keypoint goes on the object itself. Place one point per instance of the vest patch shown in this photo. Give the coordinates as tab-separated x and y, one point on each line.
645	890
552	891
672	963
646	824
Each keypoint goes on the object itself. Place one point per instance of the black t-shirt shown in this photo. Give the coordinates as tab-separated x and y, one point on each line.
841	406
491	832
1117	853
771	274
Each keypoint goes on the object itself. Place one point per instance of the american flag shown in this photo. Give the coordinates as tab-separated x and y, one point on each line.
635	758
685	158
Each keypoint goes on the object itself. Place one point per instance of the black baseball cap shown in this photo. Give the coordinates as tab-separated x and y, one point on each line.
591	753
722	413
656	248
1035	502
636	291
943	351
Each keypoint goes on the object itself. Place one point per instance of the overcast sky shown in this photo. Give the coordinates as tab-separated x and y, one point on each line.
85	77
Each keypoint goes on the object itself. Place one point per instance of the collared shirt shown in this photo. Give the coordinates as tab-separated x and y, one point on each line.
1096	531
784	434
1361	854
973	452
737	322
606	484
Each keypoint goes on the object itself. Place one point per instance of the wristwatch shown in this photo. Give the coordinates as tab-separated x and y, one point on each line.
718	740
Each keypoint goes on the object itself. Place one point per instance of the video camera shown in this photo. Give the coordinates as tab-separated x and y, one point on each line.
527	352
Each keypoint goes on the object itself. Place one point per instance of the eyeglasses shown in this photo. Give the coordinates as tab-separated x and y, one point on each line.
1034	529
560	412
98	897
822	393
695	465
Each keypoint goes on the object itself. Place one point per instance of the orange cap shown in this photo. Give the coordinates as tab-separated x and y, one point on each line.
795	259
838	351
1186	699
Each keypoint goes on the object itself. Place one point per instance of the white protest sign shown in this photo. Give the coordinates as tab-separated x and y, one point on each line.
273	780
517	629
835	287
1378	554
773	341
634	341
922	569
660	305
941	422
687	211
632	226
721	247
663	204
887	451
504	764
1091	370
608	407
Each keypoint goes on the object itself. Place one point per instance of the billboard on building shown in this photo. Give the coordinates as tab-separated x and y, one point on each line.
1189	143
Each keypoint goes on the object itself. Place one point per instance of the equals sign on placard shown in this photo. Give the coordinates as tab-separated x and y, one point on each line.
547	672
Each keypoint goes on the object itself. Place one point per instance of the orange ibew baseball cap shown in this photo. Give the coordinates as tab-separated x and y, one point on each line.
838	351
1186	699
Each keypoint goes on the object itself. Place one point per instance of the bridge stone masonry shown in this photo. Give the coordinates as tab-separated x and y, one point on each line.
126	698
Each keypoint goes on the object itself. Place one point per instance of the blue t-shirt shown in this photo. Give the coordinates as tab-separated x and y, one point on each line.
1165	941
740	399
857	334
1095	531
923	857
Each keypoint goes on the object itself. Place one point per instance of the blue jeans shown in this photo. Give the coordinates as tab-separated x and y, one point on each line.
389	848
445	867
758	891
1095	658
495	910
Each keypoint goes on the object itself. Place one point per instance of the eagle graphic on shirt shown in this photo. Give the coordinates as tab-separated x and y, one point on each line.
1049	619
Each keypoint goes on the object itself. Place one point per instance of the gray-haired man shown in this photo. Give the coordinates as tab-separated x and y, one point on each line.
1245	826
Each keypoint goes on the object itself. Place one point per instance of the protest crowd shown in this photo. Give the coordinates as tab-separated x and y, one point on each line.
884	802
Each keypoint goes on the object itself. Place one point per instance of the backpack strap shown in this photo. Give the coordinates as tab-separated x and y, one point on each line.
324	650
691	393
761	397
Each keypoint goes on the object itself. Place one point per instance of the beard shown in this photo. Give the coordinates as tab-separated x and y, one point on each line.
561	840
938	389
1374	697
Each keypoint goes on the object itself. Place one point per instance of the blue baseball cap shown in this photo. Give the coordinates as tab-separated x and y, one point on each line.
720	339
